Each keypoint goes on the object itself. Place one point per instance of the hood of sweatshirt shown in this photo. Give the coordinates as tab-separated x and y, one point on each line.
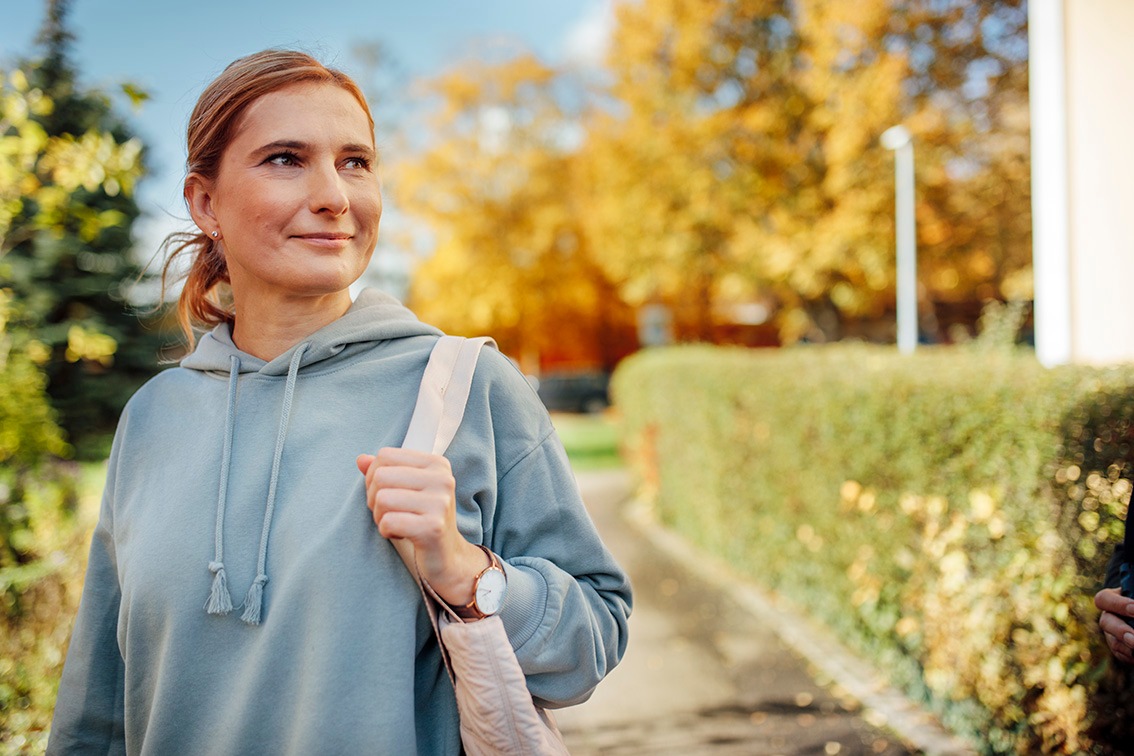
374	316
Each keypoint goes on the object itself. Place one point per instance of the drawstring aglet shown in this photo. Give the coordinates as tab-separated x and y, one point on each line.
220	602
253	600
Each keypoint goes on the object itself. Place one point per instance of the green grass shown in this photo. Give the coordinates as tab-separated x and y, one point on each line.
92	477
591	440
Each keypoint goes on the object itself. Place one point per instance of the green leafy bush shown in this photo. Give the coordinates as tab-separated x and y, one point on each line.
67	173
949	514
40	570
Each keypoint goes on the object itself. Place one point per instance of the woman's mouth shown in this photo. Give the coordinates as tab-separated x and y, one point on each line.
329	240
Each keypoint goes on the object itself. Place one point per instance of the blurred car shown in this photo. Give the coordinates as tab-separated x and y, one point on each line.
575	391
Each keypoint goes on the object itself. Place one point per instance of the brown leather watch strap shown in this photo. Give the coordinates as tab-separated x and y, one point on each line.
471	610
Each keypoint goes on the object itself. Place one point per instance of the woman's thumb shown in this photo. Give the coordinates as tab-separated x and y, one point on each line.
363	462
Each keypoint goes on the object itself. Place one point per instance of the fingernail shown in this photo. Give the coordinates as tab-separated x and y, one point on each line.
1128	639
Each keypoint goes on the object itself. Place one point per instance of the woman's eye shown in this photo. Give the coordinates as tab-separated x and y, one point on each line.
357	162
283	158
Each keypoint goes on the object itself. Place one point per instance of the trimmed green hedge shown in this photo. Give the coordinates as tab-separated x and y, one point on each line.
949	514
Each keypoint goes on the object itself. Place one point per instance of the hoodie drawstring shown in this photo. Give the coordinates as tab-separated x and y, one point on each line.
220	601
254	599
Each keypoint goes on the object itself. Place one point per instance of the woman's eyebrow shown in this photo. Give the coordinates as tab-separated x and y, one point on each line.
292	144
365	149
281	144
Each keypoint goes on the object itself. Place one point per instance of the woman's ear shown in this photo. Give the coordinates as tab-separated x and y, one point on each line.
199	198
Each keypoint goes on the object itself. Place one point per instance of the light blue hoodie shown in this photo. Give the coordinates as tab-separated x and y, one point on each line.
230	472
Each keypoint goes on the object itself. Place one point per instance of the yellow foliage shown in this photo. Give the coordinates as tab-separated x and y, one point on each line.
86	344
948	615
500	196
732	154
48	170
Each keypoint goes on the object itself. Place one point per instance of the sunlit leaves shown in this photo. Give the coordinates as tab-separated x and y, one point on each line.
135	94
499	191
44	172
86	344
731	155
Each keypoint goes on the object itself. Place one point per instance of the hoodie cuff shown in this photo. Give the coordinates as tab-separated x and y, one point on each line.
525	603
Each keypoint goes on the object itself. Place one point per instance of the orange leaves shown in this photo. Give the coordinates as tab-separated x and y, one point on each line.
737	141
499	190
468	87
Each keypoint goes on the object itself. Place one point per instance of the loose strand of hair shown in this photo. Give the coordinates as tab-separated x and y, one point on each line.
200	304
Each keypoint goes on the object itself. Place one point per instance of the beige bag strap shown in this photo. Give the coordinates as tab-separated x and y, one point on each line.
441	401
497	713
443	394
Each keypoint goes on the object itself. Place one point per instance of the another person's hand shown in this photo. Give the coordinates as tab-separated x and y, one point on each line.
412	495
1119	635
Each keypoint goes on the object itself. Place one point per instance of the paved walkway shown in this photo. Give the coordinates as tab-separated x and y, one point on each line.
702	675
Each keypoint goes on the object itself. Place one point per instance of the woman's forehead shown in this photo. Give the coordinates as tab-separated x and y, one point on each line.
309	111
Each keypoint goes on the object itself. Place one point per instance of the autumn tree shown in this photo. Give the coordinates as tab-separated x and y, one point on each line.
757	123
69	252
665	186
495	186
39	176
731	154
967	97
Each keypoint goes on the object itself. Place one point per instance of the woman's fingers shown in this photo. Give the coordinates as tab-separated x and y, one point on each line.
1111	600
409	493
1121	651
419	516
412	478
1115	626
411	501
395	456
363	461
1113	608
405	468
410	525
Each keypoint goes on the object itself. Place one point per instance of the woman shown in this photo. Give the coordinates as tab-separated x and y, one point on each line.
1115	609
242	596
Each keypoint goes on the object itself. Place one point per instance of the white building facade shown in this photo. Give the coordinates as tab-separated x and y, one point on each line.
1082	99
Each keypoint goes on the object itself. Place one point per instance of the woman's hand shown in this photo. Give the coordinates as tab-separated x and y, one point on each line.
1119	635
412	495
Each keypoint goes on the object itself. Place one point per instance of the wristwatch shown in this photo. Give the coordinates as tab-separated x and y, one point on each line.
488	590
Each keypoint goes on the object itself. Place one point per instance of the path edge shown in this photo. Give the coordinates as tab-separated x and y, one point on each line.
883	704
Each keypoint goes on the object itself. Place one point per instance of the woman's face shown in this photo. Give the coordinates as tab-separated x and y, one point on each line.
296	201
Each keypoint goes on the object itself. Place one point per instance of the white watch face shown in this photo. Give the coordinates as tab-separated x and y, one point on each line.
490	591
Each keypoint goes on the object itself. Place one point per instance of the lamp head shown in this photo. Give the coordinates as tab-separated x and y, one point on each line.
895	137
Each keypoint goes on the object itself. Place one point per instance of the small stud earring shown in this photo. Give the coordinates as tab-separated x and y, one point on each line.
216	234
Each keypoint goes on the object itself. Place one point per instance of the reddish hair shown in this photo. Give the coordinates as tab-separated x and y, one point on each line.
205	300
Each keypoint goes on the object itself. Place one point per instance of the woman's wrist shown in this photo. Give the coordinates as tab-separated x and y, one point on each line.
456	584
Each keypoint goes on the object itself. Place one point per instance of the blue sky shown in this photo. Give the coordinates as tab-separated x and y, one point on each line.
172	49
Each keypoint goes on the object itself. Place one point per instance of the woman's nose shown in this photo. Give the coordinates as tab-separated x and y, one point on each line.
326	192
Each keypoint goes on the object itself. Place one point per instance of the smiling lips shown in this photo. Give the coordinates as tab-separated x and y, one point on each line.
330	240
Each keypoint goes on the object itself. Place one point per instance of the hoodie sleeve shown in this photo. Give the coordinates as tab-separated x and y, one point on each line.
568	600
89	716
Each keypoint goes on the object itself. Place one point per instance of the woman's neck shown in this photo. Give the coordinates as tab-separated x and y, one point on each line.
268	326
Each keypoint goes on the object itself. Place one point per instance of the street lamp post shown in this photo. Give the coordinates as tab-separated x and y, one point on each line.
897	138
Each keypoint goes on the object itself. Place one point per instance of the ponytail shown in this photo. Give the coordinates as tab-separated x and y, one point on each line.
204	300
